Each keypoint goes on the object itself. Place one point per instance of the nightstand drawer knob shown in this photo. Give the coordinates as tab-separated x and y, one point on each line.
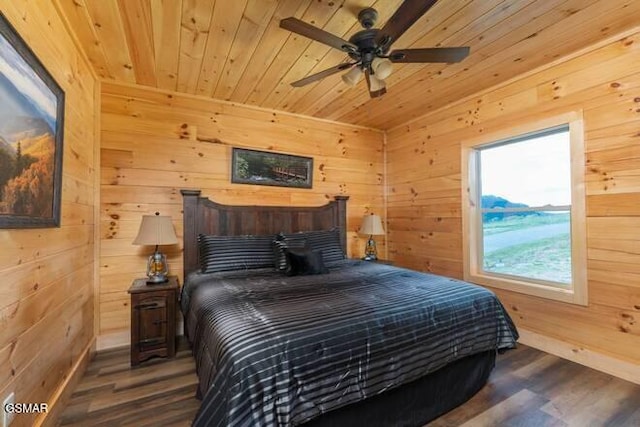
149	306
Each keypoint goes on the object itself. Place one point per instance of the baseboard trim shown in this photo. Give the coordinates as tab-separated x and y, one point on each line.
113	340
62	394
618	368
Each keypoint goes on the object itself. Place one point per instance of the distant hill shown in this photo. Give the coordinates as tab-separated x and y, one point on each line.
491	201
5	146
39	146
23	128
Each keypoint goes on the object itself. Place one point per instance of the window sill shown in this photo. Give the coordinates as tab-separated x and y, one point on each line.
537	289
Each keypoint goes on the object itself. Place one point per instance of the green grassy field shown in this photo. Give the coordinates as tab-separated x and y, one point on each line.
520	222
545	259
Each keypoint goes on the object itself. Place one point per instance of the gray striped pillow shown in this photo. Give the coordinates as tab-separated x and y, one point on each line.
327	241
225	253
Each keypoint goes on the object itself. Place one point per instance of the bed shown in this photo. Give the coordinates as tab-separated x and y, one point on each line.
361	344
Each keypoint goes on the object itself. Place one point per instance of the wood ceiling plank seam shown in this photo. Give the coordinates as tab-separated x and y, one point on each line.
308	62
298	98
273	69
106	19
268	48
157	16
492	62
166	18
342	23
252	27
82	27
194	28
319	14
222	31
289	95
136	17
445	25
486	51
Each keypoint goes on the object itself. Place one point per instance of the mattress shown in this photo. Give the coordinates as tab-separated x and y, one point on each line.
278	350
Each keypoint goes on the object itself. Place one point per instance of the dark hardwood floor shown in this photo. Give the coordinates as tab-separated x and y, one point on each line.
527	388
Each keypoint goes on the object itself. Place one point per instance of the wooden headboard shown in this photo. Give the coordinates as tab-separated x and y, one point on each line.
203	216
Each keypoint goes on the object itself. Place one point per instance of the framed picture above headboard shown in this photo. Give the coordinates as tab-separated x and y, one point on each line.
267	168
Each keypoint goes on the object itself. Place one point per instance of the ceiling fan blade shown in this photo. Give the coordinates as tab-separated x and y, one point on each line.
300	27
322	74
433	54
377	87
404	17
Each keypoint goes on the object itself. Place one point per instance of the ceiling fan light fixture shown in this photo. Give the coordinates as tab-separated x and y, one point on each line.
376	84
353	76
382	68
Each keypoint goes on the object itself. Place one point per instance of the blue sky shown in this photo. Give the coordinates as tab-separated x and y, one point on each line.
26	81
535	172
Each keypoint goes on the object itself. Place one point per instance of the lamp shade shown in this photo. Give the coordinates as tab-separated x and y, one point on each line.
382	68
376	84
371	225
353	76
156	230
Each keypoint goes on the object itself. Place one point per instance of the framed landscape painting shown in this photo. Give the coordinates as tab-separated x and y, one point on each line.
31	133
267	168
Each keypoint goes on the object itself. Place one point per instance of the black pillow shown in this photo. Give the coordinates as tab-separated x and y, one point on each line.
224	253
280	245
304	262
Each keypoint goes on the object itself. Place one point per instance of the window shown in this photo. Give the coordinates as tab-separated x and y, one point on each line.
524	215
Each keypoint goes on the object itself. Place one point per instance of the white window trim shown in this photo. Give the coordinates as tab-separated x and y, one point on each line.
576	292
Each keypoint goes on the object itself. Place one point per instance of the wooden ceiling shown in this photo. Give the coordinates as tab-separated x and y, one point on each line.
234	49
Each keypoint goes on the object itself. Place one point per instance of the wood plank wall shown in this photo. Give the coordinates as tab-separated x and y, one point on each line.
424	202
154	143
47	275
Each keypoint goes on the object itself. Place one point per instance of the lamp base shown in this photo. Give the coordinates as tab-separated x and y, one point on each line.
370	251
157	269
157	280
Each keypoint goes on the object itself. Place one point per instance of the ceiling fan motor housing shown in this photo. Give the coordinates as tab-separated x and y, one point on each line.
367	45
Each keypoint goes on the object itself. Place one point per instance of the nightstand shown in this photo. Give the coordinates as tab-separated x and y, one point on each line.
153	319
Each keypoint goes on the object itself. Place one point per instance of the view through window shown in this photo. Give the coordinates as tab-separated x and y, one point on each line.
525	188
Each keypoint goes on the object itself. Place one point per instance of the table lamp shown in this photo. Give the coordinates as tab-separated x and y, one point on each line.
156	230
371	225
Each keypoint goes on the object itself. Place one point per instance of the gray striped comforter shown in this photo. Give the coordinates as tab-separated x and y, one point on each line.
276	350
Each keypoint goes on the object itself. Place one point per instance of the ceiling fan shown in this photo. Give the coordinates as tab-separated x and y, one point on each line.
369	48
